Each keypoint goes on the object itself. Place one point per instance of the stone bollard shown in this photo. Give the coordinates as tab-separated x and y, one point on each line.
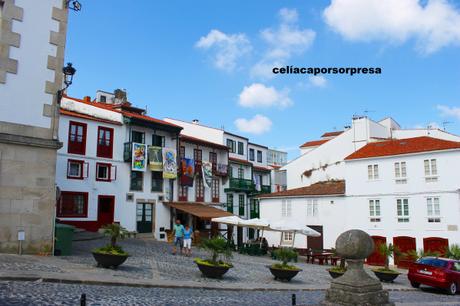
355	287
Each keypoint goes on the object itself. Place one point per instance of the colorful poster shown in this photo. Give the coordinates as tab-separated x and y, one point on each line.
187	171
139	157
169	163
155	159
207	173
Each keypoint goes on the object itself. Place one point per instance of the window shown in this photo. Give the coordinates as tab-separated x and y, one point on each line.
137	181
373	172
105	172
241	173
230	202
104	142
231	145
215	191
433	210
240	148
402	206
197	155
75	169
183	193
230	171
138	137
374	210
158	141
103	98
241	204
251	155
431	170
288	237
259	156
182	152
286	208
199	189
77	138
73	204
400	173
312	207
213	160
157	181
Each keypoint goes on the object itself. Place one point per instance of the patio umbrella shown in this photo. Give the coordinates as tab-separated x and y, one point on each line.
230	220
256	223
293	226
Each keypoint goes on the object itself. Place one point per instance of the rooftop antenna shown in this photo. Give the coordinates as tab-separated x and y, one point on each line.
366	112
445	123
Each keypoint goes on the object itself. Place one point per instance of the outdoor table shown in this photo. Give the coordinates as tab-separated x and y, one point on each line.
322	257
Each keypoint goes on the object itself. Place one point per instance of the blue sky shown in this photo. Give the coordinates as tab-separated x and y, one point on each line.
208	60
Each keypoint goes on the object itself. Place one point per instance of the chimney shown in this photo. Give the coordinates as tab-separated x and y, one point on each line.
195	121
87	99
120	96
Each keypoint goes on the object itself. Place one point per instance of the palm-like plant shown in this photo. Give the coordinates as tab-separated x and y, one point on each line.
217	248
285	255
388	251
115	231
415	255
453	252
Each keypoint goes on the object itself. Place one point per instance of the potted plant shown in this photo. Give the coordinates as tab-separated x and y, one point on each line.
111	255
337	271
284	271
453	252
218	264
386	274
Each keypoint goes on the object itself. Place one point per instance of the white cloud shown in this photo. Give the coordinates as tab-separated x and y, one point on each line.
283	42
433	26
447	111
256	125
317	81
228	48
259	95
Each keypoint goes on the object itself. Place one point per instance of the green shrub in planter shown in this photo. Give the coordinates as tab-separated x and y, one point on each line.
218	262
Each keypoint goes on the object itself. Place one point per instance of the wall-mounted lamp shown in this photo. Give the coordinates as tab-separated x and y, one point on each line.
68	72
73	5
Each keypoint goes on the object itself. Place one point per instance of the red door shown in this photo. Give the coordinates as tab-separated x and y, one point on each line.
435	244
105	210
375	259
404	244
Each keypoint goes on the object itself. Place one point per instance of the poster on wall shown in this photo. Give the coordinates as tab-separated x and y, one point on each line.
155	159
139	157
207	173
169	163
187	172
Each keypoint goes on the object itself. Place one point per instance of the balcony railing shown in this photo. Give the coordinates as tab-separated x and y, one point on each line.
263	189
241	184
220	169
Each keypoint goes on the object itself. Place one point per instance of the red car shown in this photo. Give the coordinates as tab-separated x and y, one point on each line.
436	272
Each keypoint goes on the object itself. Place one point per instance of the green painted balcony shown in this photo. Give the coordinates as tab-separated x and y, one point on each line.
244	185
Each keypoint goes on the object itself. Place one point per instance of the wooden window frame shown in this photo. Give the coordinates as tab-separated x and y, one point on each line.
182	151
72	193
162	140
82	165
241	205
182	193
143	136
111	172
215	192
105	151
240	146
130	181
74	147
160	178
252	154
199	189
261	156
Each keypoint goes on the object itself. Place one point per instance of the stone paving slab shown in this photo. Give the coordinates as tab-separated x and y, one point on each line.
152	265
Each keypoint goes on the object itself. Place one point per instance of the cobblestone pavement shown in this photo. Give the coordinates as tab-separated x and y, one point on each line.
152	261
38	293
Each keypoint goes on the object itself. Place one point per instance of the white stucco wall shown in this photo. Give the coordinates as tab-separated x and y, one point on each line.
200	131
26	89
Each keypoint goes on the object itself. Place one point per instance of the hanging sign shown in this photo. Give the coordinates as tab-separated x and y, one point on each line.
207	173
139	157
169	163
155	159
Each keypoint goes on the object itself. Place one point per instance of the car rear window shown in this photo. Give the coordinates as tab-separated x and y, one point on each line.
434	262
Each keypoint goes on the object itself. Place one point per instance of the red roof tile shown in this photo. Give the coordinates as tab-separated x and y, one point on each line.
148	118
324	188
331	134
206	143
403	146
314	143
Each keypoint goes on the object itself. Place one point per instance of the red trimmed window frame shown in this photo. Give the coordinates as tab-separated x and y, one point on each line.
183	193
65	194
104	150
215	192
109	172
74	146
77	161
199	189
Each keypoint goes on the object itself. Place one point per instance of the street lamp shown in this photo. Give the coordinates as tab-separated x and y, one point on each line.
68	72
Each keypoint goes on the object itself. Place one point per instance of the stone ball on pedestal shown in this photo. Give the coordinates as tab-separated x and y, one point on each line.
354	244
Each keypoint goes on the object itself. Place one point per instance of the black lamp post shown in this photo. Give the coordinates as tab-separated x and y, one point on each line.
68	72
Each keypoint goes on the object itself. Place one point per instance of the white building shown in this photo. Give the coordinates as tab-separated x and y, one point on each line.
394	200
32	43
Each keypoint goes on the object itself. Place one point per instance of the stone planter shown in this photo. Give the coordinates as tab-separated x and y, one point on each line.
335	274
109	260
212	271
387	277
283	274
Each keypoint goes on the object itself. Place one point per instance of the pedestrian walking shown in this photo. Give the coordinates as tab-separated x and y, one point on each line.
178	231
188	235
